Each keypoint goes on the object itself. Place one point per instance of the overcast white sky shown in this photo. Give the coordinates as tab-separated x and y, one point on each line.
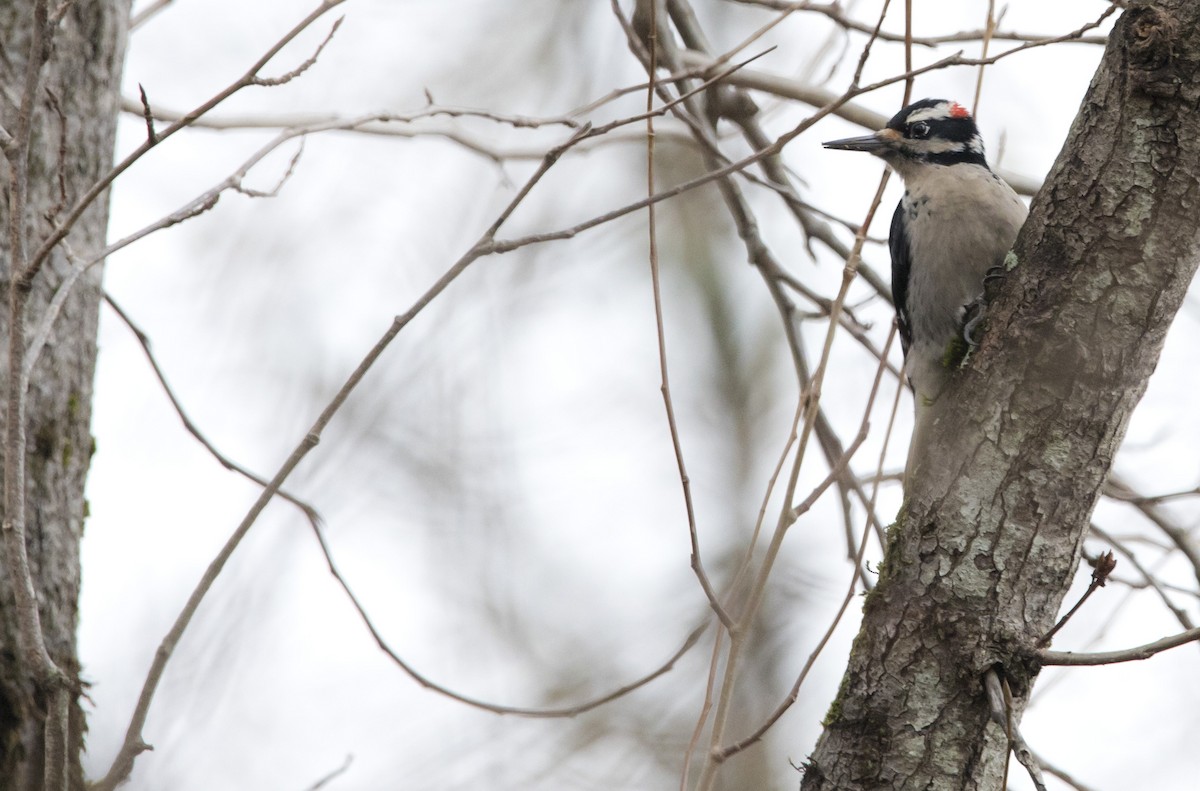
502	492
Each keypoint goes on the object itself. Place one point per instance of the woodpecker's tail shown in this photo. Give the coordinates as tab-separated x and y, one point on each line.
917	447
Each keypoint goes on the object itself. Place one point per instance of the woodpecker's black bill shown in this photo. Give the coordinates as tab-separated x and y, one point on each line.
865	143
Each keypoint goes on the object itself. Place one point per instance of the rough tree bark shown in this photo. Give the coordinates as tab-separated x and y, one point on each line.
989	537
71	147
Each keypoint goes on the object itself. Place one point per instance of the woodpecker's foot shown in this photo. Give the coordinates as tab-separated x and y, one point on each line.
991	281
973	315
974	311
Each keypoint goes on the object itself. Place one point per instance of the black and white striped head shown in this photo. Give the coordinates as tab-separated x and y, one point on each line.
928	132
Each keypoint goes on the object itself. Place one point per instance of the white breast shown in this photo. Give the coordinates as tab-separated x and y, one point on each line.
962	220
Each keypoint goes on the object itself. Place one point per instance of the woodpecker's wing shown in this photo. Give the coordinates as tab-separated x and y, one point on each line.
901	271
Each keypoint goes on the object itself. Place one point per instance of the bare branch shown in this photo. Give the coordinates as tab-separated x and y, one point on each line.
1125	655
144	341
34	660
373	123
144	16
1151	581
148	115
839	105
335	774
760	256
1126	495
1061	774
989	29
857	560
309	62
274	191
1118	488
697	561
34	655
834	11
38	258
193	208
134	744
41	333
1001	703
779	180
1103	567
495	708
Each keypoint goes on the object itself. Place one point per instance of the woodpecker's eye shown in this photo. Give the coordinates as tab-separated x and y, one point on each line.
919	130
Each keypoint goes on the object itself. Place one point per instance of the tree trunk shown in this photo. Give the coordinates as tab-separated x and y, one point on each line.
989	538
71	147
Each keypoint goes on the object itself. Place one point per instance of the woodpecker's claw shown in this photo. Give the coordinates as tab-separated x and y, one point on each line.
969	331
973	314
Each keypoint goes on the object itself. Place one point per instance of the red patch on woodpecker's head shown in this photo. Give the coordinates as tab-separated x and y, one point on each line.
958	111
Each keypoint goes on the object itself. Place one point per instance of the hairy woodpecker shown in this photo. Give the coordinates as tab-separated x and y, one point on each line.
956	221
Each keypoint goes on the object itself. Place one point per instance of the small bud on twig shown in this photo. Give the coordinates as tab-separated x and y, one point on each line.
1102	567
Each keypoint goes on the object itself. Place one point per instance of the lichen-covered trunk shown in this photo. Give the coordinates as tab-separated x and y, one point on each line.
989	537
71	146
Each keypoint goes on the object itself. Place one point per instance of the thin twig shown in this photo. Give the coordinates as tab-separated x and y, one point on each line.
96	190
835	12
756	35
1118	488
305	65
1104	566
1061	774
477	703
315	523
714	664
283	179
716	175
779	179
1152	582
1124	655
144	16
144	341
830	102
1129	496
148	115
857	560
908	50
810	398
207	201
34	662
988	29
697	562
486	245
41	333
759	256
1003	713
193	208
298	120
335	774
29	629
